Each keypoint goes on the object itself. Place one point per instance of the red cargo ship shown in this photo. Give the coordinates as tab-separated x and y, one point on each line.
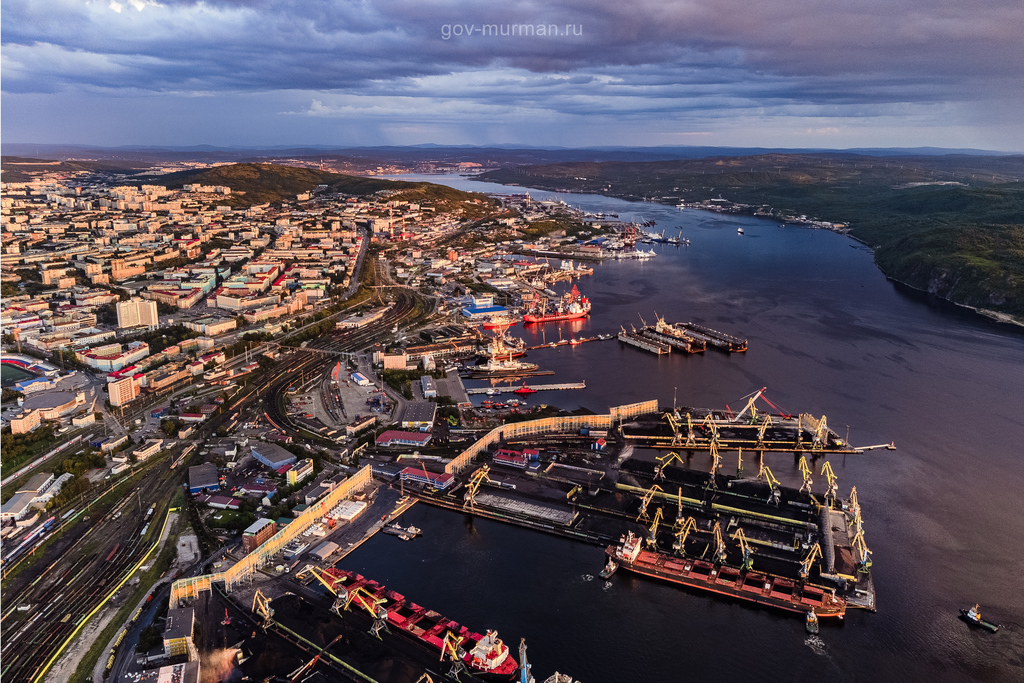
572	306
764	589
483	654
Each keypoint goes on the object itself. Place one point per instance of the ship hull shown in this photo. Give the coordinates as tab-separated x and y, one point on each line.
424	627
554	317
730	583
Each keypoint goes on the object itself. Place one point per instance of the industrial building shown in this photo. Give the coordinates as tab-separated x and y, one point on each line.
393	437
203	477
419	415
273	456
178	633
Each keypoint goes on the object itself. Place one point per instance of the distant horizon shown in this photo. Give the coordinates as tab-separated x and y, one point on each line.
426	146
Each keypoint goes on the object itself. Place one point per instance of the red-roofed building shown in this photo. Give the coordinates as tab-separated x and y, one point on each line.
394	437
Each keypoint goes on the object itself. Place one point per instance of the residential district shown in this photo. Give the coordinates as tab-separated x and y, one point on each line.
208	404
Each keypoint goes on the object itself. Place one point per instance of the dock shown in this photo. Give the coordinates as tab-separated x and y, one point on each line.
570	342
511	389
720	340
641	342
687	344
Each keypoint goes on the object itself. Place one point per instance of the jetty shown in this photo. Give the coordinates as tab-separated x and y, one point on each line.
511	389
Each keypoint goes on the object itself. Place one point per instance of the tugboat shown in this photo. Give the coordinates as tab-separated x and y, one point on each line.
739	231
812	623
973	617
609	569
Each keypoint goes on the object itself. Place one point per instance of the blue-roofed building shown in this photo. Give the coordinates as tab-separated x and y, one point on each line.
482	312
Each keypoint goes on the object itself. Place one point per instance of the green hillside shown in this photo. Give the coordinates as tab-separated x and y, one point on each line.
253	184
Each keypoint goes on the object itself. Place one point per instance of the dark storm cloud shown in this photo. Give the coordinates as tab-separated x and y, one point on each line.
650	61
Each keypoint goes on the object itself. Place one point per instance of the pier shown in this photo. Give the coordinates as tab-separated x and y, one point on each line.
717	339
641	342
535	387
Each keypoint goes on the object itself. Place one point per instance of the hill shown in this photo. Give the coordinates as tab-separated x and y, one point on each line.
253	184
951	225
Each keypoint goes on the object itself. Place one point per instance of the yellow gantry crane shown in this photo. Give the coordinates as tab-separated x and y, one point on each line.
648	497
748	559
373	605
863	554
720	549
664	461
833	487
691	440
805	565
710	425
820	435
679	544
451	649
475	481
805	472
763	428
652	534
765	474
716	459
261	606
675	425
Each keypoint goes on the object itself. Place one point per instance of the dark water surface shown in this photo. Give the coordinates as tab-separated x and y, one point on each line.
944	514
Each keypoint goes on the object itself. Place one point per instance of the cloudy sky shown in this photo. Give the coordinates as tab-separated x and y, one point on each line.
793	73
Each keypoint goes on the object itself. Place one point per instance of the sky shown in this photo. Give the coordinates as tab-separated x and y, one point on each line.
572	73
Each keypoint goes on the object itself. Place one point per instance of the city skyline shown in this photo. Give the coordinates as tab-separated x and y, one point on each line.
716	73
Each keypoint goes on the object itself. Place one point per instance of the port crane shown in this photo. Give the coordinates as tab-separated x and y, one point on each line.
750	406
679	508
373	605
652	535
765	424
856	522
807	562
765	474
720	550
691	440
748	559
833	486
716	460
451	649
675	425
665	461
711	426
478	478
679	544
261	606
805	472
863	554
648	497
340	593
820	434
311	663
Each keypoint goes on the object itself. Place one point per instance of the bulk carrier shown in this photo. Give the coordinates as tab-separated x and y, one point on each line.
758	587
484	655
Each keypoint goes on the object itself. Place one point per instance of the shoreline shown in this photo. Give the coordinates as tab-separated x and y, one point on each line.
996	316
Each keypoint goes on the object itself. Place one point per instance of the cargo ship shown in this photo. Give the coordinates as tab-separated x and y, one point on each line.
483	654
572	306
761	588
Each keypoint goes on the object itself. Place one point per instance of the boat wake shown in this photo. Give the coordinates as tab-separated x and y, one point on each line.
817	645
588	577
